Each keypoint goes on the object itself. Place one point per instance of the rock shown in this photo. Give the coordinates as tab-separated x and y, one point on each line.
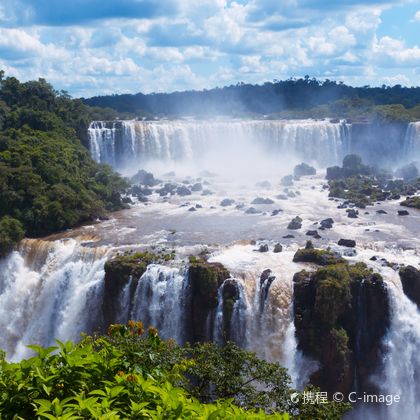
374	258
168	188
230	294
198	206
287	181
303	169
183	191
288	236
296	223
145	178
266	279
352	213
348	306
261	200
276	212
317	256
263	248
403	213
197	187
227	202
205	279
277	248
410	279
240	206
252	210
192	209
327	223
381	211
350	243
313	233
281	197
207	192
291	194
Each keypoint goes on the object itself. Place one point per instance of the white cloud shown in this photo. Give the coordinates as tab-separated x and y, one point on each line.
417	16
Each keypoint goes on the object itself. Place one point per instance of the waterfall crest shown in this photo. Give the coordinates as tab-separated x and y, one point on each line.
412	141
121	143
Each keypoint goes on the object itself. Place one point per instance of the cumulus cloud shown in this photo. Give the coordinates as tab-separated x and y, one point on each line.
104	46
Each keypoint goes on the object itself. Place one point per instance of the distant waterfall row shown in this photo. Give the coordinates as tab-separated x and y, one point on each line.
121	143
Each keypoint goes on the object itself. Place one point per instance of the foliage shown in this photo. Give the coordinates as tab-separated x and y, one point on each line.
129	374
48	181
293	98
11	232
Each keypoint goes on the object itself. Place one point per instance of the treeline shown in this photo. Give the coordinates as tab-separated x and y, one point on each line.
48	180
294	98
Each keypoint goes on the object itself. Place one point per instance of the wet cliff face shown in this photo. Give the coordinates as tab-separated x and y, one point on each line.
205	279
341	313
410	279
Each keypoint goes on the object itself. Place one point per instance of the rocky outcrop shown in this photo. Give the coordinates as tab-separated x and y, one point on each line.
341	313
295	223
205	279
230	294
303	169
410	279
309	254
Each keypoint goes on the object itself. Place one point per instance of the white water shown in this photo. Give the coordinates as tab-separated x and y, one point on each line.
412	141
54	293
130	143
160	301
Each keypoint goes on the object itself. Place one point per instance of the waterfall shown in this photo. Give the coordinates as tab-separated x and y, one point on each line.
123	143
48	291
412	142
401	372
160	300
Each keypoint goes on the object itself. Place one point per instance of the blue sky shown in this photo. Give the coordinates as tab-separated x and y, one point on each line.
93	47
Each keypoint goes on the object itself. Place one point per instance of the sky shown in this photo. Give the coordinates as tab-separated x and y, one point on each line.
97	47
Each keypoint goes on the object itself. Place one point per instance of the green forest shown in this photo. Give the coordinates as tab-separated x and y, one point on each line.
293	98
48	181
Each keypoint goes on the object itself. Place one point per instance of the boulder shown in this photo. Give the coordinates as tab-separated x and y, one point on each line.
287	181
277	248
327	223
252	210
381	211
144	178
403	213
263	248
197	187
295	223
261	200
313	233
350	243
303	169
227	202
352	213
316	256
183	191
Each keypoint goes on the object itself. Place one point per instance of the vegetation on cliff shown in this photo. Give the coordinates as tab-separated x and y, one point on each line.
133	374
48	180
347	305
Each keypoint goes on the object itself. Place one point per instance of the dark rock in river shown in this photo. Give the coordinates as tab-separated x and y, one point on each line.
288	236
347	242
263	248
252	210
313	233
183	191
277	248
261	200
381	211
296	223
303	169
145	178
352	213
327	223
197	187
403	213
227	202
287	181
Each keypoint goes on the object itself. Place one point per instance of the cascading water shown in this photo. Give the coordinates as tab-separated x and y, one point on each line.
122	143
48	291
412	142
160	300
